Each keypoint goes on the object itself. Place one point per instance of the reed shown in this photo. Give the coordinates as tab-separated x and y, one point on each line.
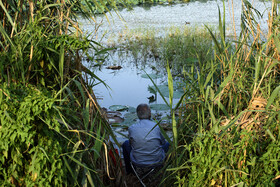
43	78
228	128
181	47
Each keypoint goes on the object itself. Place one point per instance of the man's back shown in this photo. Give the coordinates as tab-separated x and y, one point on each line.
146	141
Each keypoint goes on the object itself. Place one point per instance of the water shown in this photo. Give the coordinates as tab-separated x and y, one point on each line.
164	16
127	86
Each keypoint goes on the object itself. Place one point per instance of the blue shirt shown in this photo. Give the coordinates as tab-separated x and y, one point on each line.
146	144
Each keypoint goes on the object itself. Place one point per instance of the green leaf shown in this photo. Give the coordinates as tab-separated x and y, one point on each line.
274	94
277	42
271	135
86	114
170	85
61	64
214	39
80	163
157	89
8	16
153	76
224	83
4	33
159	107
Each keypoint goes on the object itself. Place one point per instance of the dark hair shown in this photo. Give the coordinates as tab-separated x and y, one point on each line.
143	111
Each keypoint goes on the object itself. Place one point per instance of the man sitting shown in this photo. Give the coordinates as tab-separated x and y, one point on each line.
146	146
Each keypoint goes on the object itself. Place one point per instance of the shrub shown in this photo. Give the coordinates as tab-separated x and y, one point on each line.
30	146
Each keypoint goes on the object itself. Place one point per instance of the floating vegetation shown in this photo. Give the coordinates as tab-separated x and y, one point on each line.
226	129
118	107
131	109
177	92
129	119
159	107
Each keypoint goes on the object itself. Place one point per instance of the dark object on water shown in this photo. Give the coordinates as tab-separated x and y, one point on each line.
187	23
114	67
152	99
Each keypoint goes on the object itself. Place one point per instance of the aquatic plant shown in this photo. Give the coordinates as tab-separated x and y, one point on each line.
99	7
181	48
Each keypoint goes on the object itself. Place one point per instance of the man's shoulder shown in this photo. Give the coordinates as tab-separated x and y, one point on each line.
151	123
133	126
142	124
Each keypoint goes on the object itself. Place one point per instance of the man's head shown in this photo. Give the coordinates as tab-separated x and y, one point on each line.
143	111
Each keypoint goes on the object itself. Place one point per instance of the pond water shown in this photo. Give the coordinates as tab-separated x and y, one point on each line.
161	17
127	86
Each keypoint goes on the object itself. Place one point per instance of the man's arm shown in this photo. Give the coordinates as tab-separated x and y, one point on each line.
129	136
162	139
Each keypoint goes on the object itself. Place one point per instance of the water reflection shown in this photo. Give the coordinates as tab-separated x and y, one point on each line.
127	85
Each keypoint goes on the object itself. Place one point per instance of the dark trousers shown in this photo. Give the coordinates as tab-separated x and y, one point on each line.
126	147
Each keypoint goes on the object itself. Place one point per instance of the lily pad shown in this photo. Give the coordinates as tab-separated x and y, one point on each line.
118	107
159	107
152	75
177	93
131	116
128	122
131	109
152	90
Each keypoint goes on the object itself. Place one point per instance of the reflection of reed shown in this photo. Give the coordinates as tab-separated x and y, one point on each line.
180	47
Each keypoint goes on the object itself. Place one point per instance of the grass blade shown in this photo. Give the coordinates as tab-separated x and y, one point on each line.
271	99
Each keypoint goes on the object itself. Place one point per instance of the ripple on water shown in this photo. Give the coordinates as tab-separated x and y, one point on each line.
164	16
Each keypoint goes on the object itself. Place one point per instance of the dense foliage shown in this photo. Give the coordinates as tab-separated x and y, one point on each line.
228	129
29	138
52	130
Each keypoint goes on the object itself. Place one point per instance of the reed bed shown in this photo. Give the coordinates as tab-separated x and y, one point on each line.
181	47
227	132
52	131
